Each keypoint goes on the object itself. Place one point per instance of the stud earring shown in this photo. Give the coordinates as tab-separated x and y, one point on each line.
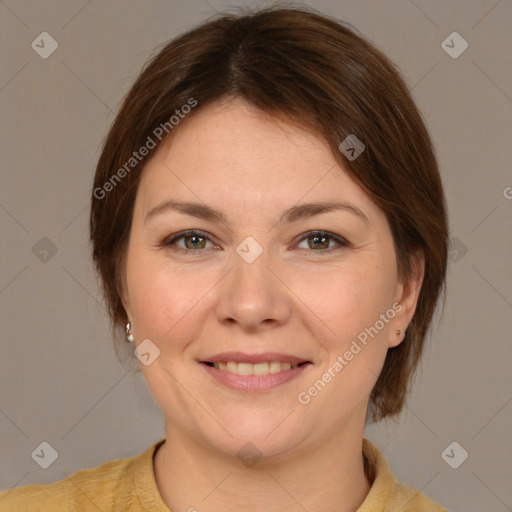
398	332
129	336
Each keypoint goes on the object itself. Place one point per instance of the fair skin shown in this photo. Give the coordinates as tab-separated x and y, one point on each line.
301	296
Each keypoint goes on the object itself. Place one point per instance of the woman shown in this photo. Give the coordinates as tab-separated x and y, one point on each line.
269	226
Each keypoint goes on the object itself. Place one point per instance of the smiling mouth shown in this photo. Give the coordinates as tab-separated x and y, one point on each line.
264	368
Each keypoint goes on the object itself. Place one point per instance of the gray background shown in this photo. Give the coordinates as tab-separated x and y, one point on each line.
59	379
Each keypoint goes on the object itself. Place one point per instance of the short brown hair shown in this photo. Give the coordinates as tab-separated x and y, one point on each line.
314	70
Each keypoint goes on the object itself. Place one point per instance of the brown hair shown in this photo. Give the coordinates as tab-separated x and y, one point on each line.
314	70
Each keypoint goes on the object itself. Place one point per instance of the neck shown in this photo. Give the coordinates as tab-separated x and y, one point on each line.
321	478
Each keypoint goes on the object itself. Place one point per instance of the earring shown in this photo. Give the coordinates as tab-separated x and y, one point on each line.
129	336
399	333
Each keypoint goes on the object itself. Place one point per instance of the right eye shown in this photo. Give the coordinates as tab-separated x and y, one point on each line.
197	241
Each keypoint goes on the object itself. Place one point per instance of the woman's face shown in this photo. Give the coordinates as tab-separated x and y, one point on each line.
260	283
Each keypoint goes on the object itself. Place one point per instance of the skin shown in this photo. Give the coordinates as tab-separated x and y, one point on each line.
296	298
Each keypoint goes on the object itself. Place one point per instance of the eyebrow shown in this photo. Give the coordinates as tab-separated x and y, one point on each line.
293	214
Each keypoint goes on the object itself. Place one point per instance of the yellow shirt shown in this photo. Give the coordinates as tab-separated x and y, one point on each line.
128	485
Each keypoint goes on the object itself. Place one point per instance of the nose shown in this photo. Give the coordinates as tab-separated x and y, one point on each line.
254	295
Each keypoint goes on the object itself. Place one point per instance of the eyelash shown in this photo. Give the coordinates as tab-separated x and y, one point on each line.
168	242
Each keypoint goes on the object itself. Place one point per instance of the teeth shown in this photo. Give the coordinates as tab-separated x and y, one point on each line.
253	369
275	367
232	367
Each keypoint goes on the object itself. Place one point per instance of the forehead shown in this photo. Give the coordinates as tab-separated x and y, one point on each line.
230	153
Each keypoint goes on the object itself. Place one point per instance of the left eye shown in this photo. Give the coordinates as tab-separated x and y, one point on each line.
321	240
195	241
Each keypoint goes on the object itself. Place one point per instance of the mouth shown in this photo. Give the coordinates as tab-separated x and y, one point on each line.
263	368
246	372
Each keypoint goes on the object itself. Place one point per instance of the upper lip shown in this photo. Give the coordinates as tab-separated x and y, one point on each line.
265	357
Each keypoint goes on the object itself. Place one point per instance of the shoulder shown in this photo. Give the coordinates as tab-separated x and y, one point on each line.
407	499
386	493
86	489
103	487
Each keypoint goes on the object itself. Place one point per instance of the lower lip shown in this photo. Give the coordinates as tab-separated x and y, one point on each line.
252	383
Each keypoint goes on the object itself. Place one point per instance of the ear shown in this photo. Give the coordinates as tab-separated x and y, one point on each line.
406	295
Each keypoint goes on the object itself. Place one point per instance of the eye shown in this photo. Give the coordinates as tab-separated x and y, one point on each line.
320	241
194	241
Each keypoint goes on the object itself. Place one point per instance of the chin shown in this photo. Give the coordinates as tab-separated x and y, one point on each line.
254	434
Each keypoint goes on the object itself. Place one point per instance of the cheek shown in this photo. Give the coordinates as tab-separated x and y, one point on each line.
351	303
164	298
348	298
